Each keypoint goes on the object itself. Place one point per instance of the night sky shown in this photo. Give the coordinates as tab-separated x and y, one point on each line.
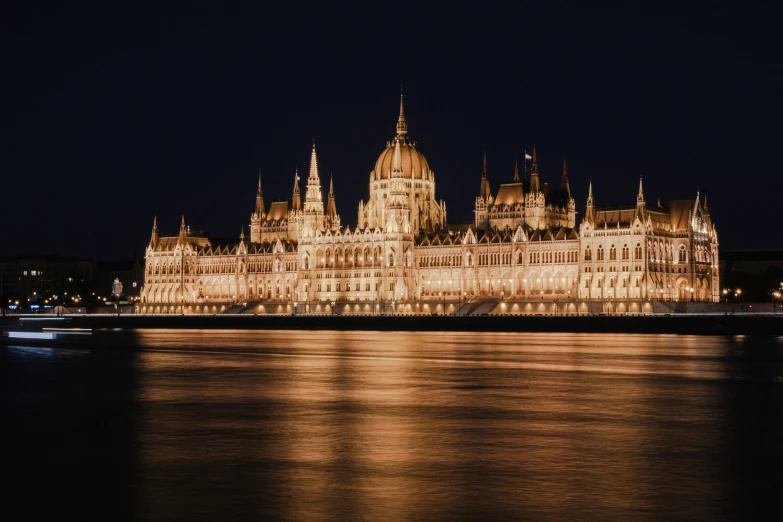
115	113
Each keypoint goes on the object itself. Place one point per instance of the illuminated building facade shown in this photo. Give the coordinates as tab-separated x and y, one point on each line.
524	246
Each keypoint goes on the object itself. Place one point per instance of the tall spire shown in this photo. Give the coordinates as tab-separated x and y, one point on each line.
485	191
242	234
565	186
640	195
154	235
313	168
706	209
259	196
314	202
516	171
183	231
296	200
590	212
641	205
331	207
402	125
534	183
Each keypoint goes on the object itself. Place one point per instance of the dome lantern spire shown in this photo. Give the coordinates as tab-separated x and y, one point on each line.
402	125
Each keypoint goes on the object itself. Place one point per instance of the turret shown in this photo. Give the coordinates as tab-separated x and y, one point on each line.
360	221
296	200
331	207
590	211
535	186
640	202
485	191
154	235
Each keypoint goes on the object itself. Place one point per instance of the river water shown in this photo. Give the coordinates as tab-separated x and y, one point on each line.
283	425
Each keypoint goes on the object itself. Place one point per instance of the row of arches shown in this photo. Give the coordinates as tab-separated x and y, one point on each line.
625	253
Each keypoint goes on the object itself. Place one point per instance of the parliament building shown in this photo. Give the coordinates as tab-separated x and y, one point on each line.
524	253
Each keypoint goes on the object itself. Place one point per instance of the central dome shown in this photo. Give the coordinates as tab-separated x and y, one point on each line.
412	163
401	159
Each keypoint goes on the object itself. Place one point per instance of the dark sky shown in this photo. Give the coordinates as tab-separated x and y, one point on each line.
114	113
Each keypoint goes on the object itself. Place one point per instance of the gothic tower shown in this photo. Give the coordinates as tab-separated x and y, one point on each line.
314	202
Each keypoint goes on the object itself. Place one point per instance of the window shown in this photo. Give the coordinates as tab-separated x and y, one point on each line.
588	254
319	287
367	286
612	253
134	284
348	287
637	252
626	252
600	253
32	272
683	255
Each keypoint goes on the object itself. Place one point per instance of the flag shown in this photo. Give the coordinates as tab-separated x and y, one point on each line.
528	156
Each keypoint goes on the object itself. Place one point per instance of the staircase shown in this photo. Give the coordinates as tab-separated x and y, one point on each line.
483	306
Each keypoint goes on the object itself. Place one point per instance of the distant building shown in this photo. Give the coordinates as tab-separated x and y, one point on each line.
525	244
130	273
45	275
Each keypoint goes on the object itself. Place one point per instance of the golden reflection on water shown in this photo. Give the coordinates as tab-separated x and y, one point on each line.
426	426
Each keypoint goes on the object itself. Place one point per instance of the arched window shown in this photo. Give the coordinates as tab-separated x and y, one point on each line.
683	255
612	253
626	252
637	253
470	260
600	253
367	286
588	254
391	259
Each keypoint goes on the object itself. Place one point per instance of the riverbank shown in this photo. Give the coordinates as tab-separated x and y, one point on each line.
740	324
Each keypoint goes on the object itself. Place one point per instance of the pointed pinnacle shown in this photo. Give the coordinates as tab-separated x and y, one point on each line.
402	113
259	182
155	221
534	155
516	171
484	169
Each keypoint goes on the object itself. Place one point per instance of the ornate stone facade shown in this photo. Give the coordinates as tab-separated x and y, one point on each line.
523	247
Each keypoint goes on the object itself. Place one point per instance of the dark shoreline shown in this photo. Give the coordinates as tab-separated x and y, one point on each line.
747	324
